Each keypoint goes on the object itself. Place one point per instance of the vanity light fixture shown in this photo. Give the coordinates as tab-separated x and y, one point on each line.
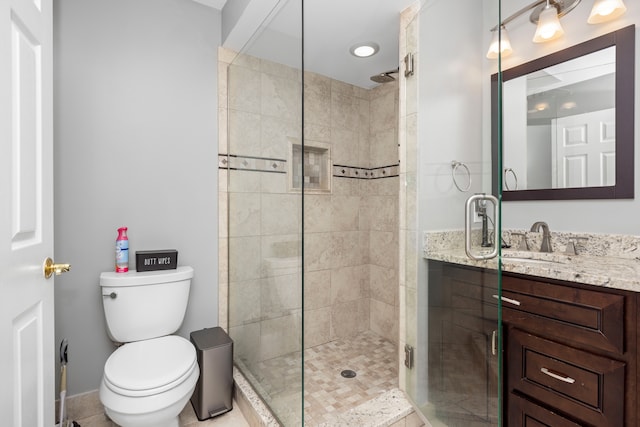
606	10
545	15
364	50
500	44
549	27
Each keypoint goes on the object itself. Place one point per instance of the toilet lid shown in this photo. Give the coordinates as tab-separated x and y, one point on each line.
150	366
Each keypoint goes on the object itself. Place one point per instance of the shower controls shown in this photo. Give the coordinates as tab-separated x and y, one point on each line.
408	356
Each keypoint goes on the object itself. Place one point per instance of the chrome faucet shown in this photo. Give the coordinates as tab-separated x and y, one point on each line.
546	235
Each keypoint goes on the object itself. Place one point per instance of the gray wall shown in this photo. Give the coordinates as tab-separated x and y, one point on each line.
449	114
135	145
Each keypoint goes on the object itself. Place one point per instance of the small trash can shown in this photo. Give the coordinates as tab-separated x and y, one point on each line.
214	391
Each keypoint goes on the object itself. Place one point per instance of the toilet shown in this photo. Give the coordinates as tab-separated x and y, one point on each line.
149	379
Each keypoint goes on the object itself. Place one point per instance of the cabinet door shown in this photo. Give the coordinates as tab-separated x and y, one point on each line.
463	369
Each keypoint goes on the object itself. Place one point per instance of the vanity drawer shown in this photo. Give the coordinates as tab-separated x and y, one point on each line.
575	382
579	316
523	413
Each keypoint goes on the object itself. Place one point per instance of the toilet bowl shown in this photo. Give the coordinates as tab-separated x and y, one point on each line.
148	380
148	383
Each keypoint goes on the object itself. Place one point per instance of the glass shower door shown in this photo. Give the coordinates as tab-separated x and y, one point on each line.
450	227
264	120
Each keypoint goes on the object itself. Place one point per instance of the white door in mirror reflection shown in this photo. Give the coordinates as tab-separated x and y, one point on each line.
584	150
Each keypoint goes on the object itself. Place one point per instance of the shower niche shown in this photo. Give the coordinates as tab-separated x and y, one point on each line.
309	167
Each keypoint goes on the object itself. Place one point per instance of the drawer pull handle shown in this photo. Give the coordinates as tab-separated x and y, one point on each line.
557	377
509	300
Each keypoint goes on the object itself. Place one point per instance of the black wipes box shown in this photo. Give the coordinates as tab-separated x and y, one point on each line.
166	259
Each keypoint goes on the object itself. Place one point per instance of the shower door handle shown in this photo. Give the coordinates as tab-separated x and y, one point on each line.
468	213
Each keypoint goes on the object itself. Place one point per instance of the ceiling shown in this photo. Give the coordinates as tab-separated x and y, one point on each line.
331	27
216	4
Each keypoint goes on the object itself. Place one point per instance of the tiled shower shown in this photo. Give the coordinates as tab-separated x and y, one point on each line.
330	276
280	128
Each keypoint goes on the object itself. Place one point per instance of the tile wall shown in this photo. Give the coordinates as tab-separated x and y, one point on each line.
261	295
350	234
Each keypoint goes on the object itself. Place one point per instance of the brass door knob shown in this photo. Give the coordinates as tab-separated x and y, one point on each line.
50	268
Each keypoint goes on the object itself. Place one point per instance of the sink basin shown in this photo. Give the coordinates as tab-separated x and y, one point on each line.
532	260
535	257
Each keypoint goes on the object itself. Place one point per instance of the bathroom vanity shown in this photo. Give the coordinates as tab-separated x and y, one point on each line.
569	349
569	332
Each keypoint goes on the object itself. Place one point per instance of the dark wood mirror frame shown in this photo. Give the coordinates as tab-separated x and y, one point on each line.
624	41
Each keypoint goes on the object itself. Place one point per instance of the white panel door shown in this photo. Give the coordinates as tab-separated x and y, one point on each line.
26	219
584	149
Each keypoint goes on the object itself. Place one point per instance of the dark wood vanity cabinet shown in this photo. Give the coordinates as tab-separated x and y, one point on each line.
570	354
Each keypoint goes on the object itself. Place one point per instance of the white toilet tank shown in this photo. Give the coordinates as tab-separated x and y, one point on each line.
145	305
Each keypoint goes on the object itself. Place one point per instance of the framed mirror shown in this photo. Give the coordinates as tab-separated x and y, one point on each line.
568	123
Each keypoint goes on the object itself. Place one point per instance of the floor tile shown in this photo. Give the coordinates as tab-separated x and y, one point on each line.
233	418
326	392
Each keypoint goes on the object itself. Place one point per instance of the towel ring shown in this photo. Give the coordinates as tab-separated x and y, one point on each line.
515	177
454	167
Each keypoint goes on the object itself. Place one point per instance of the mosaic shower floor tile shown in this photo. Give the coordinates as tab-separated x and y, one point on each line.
326	392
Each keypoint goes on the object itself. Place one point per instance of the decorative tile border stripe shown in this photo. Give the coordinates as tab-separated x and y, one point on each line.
250	163
340	171
265	164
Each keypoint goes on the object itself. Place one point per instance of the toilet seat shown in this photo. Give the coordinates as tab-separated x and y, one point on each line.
149	367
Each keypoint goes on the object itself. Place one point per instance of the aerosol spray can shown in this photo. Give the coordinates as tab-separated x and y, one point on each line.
122	251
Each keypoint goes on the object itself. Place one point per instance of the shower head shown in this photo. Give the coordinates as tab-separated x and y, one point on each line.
385	77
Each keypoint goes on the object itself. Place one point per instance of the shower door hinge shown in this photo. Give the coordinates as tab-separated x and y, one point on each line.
408	65
408	356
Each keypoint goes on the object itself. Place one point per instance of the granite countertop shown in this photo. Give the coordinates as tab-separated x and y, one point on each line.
617	267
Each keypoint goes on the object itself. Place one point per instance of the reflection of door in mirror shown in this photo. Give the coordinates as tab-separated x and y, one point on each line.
559	125
584	150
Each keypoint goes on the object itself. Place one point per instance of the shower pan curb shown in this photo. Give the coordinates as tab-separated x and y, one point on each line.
383	410
252	407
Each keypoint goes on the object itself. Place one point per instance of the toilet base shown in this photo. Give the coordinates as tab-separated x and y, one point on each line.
166	417
161	410
173	422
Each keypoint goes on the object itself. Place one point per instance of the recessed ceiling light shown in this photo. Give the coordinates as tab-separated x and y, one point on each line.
364	50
